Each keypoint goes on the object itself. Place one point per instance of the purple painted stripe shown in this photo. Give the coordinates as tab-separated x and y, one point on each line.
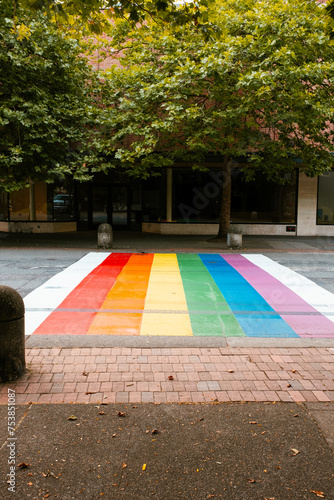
282	299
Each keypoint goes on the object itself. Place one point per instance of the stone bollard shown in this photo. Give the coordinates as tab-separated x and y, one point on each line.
104	236
12	339
234	236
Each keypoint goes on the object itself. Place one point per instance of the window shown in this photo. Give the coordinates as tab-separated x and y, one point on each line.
325	212
262	201
61	197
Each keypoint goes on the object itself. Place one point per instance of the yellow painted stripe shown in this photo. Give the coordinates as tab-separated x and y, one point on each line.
165	295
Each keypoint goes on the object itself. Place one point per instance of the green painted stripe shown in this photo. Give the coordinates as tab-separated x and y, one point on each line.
204	297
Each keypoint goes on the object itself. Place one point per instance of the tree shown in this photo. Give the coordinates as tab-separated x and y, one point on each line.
262	91
48	112
96	14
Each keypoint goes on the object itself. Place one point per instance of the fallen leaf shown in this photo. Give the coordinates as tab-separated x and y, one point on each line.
104	403
296	415
90	392
51	474
30	484
121	413
114	435
101	412
251	480
170	377
295	452
230	371
293	371
202	418
288	385
30	474
85	374
253	422
124	466
319	494
23	465
155	431
72	417
143	467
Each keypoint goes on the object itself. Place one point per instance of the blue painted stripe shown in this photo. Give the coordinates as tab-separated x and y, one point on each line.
242	297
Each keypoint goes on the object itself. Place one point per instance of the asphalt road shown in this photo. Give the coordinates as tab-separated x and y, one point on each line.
27	268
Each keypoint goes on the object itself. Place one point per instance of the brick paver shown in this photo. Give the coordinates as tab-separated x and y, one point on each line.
134	375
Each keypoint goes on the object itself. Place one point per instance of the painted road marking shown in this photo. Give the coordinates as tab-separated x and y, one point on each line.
317	297
291	307
241	296
128	297
180	294
204	298
165	295
53	292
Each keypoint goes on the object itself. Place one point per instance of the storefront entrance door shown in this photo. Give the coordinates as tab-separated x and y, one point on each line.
100	205
120	216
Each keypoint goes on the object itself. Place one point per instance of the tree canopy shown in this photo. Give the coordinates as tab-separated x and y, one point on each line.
96	14
262	91
48	112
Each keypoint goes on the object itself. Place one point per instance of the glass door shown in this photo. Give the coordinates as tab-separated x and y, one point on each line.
100	205
120	216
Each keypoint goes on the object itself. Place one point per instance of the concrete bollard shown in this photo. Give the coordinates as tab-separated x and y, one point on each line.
104	236
12	339
234	237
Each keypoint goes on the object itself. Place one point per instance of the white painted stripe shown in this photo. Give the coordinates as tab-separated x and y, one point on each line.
322	300
52	293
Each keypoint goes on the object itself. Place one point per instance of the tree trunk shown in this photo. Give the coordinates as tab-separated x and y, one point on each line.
225	209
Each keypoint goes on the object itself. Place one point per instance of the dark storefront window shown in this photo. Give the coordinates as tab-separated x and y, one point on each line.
197	198
61	200
263	201
154	199
325	213
3	206
83	203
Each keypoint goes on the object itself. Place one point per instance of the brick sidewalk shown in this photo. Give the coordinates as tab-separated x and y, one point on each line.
134	375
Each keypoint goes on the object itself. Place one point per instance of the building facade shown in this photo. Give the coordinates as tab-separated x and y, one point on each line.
178	201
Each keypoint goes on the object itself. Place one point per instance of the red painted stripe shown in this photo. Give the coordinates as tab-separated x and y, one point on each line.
89	294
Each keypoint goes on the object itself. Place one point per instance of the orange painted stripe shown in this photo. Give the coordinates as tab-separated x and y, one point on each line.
89	294
128	295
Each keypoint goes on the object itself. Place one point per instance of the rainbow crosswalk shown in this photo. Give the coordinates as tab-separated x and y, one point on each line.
227	295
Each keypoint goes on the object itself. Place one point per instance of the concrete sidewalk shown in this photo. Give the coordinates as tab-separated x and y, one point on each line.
137	241
229	451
